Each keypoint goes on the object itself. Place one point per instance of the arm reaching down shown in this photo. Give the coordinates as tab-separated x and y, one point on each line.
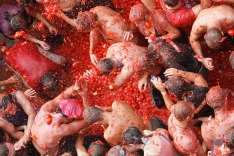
94	39
12	79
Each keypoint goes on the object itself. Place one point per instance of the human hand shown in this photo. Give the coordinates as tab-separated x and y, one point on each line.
172	72
53	30
87	74
13	79
128	35
208	63
44	45
21	143
157	82
147	133
81	87
142	83
94	59
30	93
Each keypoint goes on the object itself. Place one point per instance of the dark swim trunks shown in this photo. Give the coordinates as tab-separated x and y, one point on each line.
87	6
157	123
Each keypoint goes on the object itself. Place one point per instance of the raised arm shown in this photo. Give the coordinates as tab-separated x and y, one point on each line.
12	79
197	79
70	21
80	149
157	82
125	74
94	39
34	40
28	109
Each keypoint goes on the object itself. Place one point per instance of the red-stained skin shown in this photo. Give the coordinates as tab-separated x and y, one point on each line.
76	47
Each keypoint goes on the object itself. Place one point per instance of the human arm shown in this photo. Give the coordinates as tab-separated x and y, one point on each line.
126	72
10	129
94	39
80	149
83	92
34	40
70	21
142	82
30	93
12	79
38	16
197	79
157	82
28	109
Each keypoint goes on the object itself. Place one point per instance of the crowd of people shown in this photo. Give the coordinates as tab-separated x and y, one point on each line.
162	43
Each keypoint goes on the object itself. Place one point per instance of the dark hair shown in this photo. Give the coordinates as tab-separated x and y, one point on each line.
92	114
214	95
4	151
183	109
5	100
17	21
59	110
171	3
213	38
138	12
132	135
177	86
106	65
97	148
150	61
85	20
229	134
116	151
51	83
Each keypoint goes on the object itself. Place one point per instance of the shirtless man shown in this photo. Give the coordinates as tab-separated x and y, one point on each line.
214	128
69	9
130	58
152	22
52	122
186	139
116	118
154	143
103	22
213	22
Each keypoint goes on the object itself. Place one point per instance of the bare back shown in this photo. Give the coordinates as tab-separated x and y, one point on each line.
126	52
217	16
215	129
123	116
111	23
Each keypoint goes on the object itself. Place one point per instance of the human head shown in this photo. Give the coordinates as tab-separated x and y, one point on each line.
183	110
138	12
50	82
85	21
97	148
121	151
7	105
92	114
171	3
132	135
150	62
17	22
229	138
7	149
215	97
71	108
177	86
213	37
106	65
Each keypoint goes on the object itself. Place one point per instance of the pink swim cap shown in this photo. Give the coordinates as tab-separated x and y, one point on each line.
71	108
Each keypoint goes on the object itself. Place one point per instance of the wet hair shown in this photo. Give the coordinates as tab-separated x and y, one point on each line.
4	151
105	65
213	38
132	135
177	86
138	12
229	135
17	21
92	114
116	151
97	148
182	110
51	83
214	95
85	20
171	3
59	110
150	61
5	100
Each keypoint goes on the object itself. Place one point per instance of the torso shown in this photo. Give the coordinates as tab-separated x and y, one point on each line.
123	116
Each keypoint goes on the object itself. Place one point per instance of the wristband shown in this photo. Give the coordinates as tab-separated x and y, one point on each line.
164	93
